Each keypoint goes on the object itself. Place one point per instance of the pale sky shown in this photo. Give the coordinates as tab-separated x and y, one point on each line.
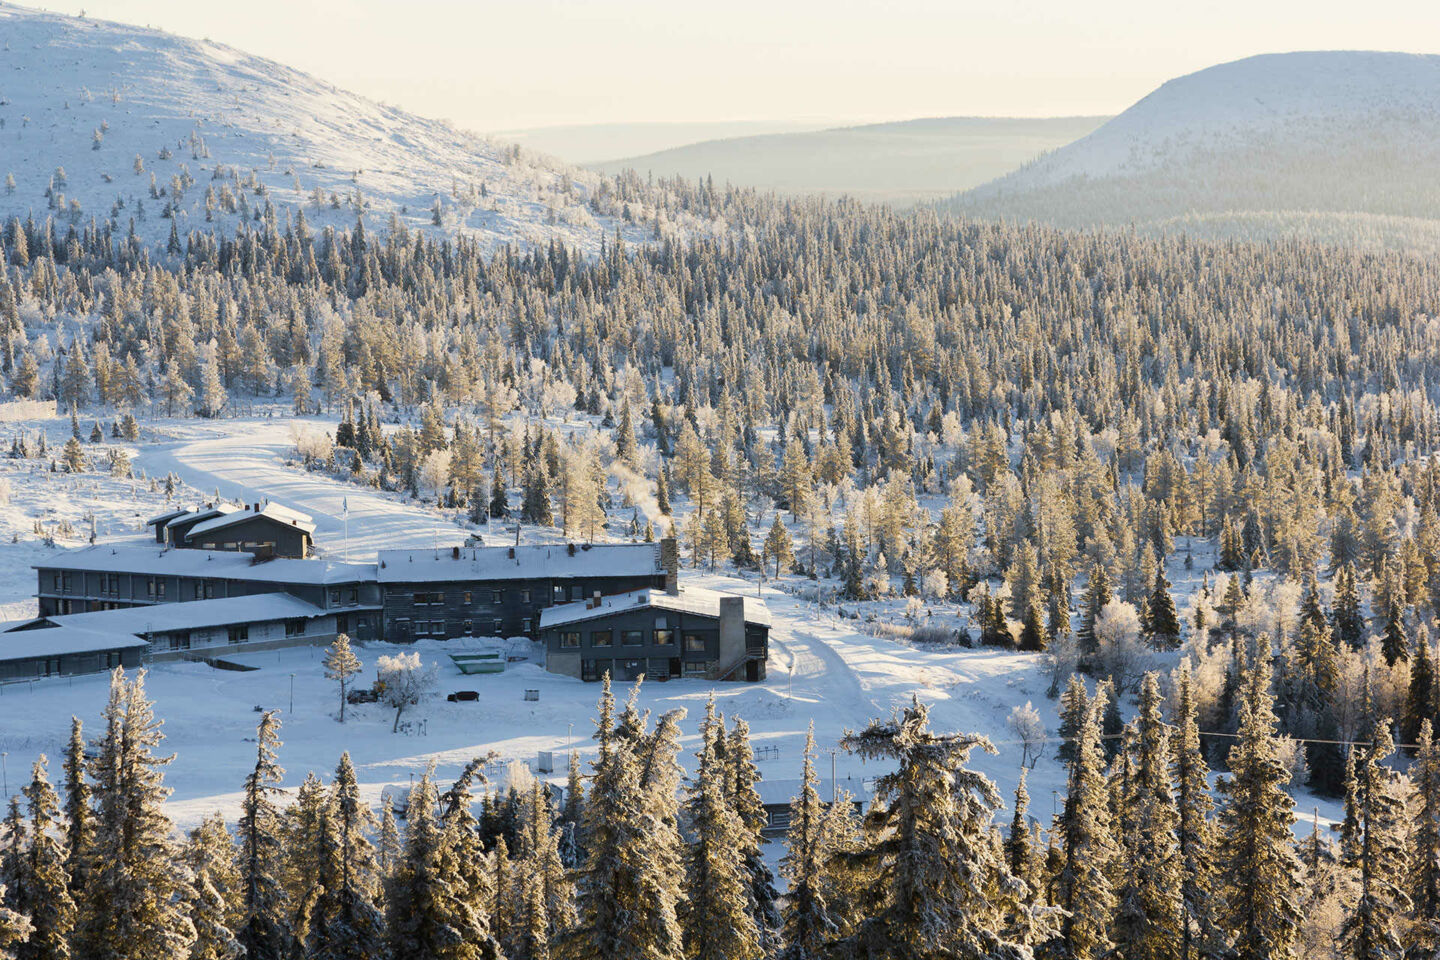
492	66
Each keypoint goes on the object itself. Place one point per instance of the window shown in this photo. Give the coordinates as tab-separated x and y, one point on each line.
570	640
694	643
209	589
56	582
559	593
663	638
112	660
601	638
525	626
334	595
467	598
590	670
354	595
498	629
525	597
577	592
155	588
697	668
110	584
429	599
294	628
199	590
497	596
469	628
180	641
240	633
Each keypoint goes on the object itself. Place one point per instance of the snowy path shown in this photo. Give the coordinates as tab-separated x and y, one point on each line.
244	460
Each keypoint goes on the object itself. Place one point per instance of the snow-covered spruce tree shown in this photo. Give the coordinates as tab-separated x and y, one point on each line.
79	818
214	939
1020	853
718	923
628	887
41	890
1084	888
348	923
572	816
543	868
1148	916
1200	933
264	927
463	849
14	927
388	847
741	780
938	885
808	921
215	891
1372	931
429	915
1074	705
132	906
1423	935
304	828
1255	856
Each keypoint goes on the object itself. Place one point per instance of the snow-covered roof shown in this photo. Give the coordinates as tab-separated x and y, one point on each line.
201	515
696	600
167	516
145	557
191	614
272	511
537	561
59	641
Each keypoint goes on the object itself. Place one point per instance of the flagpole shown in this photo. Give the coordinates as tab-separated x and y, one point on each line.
345	517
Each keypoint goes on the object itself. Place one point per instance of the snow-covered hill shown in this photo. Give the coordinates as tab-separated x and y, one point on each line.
123	122
1246	146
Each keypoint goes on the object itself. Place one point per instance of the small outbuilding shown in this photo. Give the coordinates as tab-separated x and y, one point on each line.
692	632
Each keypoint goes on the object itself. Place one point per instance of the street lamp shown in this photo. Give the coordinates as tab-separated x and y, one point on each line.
292	694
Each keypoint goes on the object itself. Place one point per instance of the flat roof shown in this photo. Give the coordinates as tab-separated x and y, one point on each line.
189	614
696	600
144	556
530	562
60	641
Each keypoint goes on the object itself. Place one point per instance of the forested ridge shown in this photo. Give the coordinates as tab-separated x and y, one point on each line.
1017	425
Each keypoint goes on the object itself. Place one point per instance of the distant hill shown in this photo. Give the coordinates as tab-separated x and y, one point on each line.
91	111
600	142
1341	146
899	163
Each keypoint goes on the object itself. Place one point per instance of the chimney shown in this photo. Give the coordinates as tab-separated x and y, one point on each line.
732	631
670	564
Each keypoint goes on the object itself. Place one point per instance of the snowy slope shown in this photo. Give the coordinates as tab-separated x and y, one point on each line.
1342	133
224	116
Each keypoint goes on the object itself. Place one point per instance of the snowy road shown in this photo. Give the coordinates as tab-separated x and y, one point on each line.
245	460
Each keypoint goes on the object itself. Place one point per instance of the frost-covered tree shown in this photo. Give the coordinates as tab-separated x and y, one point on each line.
340	665
348	921
938	884
1372	931
809	920
718	925
132	906
1255	855
264	929
1084	887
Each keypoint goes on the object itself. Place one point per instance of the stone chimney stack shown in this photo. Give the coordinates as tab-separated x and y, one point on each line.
670	563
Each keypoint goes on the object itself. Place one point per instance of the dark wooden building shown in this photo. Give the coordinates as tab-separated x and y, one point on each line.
27	653
121	576
501	591
688	633
264	529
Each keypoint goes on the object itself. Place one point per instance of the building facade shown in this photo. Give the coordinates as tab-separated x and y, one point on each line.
692	632
501	591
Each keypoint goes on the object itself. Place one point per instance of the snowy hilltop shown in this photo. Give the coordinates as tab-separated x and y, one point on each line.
104	121
1334	145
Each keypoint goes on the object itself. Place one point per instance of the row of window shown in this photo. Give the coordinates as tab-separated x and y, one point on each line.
440	628
630	669
436	598
694	642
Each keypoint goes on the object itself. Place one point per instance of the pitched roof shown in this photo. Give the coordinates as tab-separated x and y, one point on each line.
190	614
164	518
143	556
531	562
696	600
204	513
270	511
